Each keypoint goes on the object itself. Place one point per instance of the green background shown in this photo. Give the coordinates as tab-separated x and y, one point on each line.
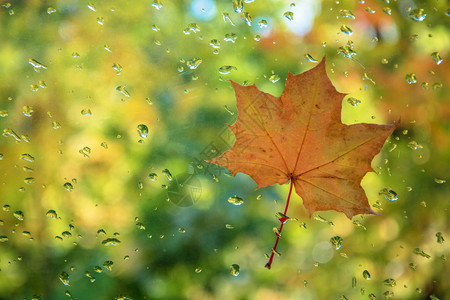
186	110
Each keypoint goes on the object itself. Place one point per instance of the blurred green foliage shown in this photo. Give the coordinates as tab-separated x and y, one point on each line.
109	66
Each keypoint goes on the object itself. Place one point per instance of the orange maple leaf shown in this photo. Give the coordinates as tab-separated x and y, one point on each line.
299	137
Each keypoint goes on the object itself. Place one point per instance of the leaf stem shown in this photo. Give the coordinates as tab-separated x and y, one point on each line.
283	220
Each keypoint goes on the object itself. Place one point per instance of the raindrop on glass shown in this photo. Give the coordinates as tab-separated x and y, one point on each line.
236	200
411	78
123	91
64	277
234	270
336	242
142	130
238	6
436	57
353	101
347	30
347	13
366	275
309	58
193	63
388	194
440	238
226	69
289	15
68	186
111	242
417	15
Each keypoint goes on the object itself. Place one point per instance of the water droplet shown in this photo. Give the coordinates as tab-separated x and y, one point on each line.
414	145
142	130
215	44
122	90
155	28
413	266
19	215
353	101
347	51
236	200
108	265
234	270
68	186
100	20
411	78
390	282
309	58
226	69
118	68
56	125
289	15
64	277
417	15
157	4
322	219
247	18
51	10
27	111
336	242
388	194
6	207
153	176
420	252
345	13
436	57
168	174
238	6
191	28
440	238
366	275
85	151
3	113
181	230
66	234
436	85
111	242
91	6
347	30
353	282
368	78
274	78
230	37
370	10
52	214
198	270
282	217
387	11
193	63
229	226
9	132
3	238
27	157
29	180
263	23
36	65
439	181
107	47
226	18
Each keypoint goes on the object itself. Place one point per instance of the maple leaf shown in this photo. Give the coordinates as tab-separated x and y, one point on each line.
299	137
